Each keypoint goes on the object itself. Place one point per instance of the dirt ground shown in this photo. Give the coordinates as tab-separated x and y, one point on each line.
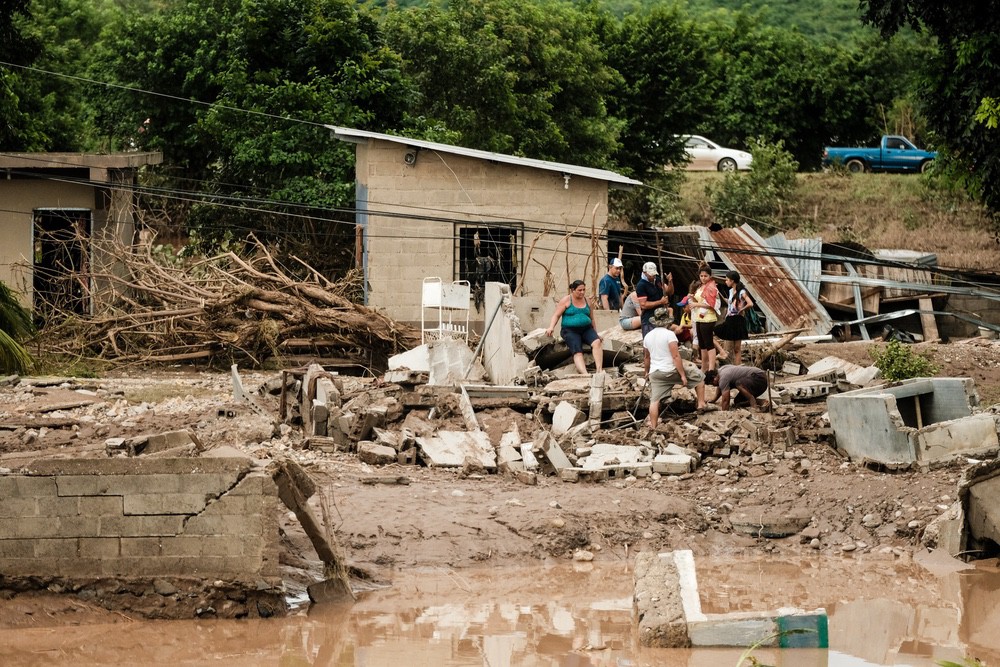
461	518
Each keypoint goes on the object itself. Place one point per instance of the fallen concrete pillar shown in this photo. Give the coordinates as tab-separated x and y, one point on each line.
669	612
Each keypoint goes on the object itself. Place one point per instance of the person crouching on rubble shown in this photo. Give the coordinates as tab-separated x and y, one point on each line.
750	381
664	367
577	326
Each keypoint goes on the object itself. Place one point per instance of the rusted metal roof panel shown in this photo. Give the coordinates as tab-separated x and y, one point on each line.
773	285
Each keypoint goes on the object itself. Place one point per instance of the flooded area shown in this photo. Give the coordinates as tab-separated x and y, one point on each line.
881	612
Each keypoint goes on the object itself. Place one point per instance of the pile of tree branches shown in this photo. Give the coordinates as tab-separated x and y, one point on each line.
231	308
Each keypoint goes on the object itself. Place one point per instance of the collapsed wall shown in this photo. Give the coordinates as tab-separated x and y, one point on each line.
201	533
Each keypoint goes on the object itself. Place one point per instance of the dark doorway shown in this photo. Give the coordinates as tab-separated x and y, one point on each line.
62	262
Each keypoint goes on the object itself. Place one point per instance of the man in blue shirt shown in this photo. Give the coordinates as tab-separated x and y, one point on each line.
652	294
610	289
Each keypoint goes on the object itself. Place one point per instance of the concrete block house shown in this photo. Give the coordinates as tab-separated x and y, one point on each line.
428	209
59	213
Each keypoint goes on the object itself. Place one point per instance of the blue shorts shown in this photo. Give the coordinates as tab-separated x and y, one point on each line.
576	337
626	323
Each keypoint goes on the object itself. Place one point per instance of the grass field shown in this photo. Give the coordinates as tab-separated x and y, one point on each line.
877	211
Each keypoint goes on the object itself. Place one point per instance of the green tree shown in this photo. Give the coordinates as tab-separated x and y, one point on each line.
776	84
243	90
15	326
20	130
509	76
669	85
959	78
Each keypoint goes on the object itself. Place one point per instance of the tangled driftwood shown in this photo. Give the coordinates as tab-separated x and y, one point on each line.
233	307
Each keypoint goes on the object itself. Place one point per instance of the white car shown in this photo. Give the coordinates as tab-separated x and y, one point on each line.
705	155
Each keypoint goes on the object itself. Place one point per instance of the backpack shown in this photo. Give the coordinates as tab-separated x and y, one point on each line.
754	324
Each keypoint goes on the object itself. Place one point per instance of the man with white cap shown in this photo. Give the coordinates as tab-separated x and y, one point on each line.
610	289
652	293
664	367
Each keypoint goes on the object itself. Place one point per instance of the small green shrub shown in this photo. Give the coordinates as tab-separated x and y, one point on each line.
899	362
758	195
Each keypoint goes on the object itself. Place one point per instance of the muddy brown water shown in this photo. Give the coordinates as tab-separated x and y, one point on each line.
882	612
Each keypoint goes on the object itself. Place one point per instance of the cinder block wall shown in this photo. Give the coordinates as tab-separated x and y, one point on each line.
402	251
210	518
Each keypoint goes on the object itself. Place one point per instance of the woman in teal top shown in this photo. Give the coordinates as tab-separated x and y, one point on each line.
577	326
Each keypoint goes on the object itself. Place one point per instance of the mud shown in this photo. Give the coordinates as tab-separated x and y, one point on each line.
462	521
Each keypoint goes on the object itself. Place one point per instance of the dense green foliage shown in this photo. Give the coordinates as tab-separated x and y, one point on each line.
509	76
235	93
15	326
243	89
898	361
962	81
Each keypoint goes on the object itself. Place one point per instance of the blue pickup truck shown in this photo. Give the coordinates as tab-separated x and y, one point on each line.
893	154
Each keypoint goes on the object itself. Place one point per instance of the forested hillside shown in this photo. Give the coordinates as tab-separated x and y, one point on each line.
235	94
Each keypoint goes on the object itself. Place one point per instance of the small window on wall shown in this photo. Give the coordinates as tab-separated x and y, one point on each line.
488	253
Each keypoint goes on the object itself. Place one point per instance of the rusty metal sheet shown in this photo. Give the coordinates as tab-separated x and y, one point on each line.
773	285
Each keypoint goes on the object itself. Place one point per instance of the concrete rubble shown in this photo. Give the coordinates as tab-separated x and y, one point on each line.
439	406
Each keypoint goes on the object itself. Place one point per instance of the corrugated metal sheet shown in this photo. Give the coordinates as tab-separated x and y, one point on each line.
803	256
350	134
775	288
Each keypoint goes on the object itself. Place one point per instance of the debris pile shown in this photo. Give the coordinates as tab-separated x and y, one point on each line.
244	307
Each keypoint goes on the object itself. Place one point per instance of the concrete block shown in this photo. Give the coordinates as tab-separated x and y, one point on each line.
232	524
375	454
164	504
65	547
807	389
565	417
418	360
14	507
658	603
767	521
14	548
673	464
549	453
141	546
945	440
99	547
138	526
48	527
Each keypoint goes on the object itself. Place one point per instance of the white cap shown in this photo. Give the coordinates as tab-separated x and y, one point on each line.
650	269
616	262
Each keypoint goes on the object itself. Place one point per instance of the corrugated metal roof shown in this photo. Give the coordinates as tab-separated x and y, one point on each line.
773	285
356	136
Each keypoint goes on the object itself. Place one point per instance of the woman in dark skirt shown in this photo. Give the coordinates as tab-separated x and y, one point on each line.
734	327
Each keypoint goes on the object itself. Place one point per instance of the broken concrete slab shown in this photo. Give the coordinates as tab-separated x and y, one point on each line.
802	390
604	455
417	360
550	455
451	448
375	454
768	521
565	417
503	359
673	464
923	419
855	374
